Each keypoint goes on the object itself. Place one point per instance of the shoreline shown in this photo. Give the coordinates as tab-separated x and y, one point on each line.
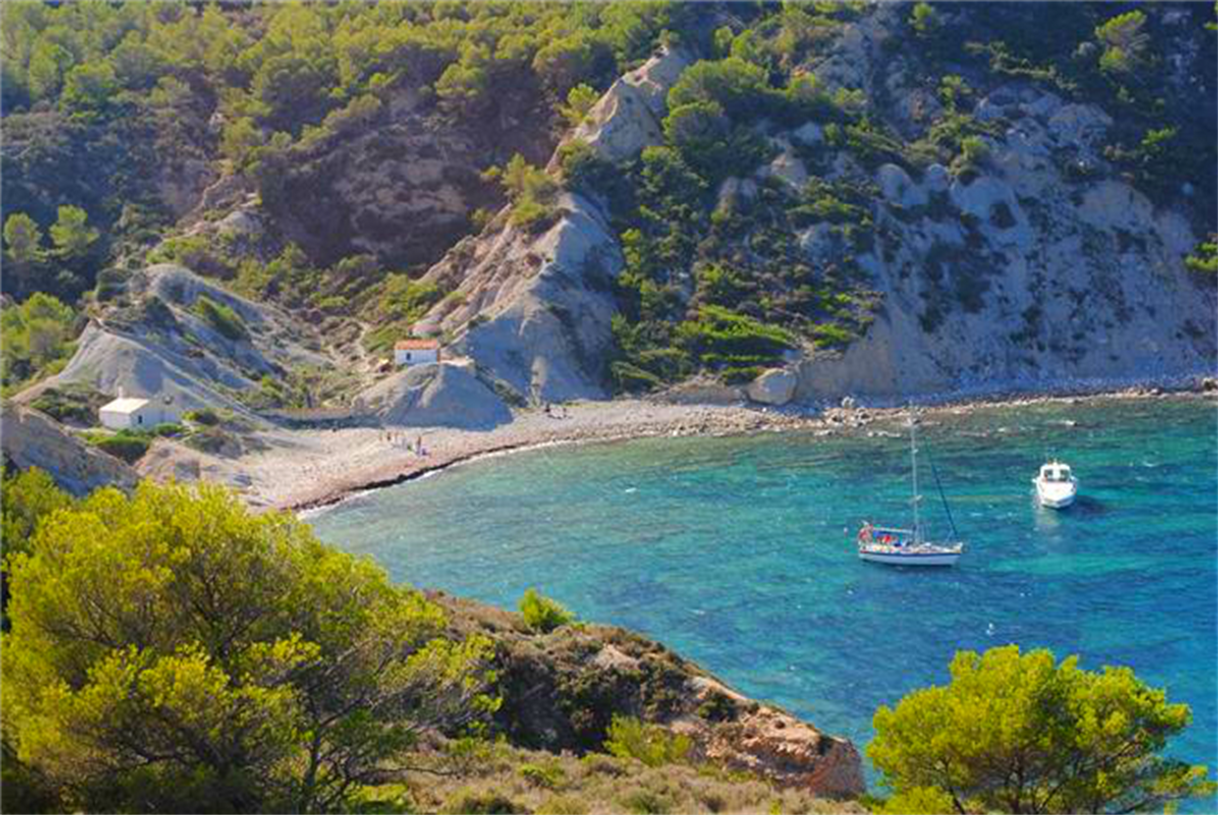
622	420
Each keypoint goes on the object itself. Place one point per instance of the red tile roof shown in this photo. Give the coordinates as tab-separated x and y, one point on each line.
417	345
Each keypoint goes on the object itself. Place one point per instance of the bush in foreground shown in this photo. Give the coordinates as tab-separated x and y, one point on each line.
648	743
170	651
1019	733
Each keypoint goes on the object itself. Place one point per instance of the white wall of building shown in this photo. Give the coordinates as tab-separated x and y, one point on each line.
415	356
122	414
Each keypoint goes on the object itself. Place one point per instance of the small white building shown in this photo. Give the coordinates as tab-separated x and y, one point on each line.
132	413
416	351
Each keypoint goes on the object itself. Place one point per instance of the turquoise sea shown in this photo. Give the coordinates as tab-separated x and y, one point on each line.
738	552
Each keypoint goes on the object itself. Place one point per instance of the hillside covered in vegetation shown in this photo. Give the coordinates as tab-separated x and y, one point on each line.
810	199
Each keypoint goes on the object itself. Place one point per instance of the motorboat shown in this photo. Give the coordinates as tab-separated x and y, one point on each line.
1056	486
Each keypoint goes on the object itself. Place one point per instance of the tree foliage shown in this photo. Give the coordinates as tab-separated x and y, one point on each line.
532	191
1204	258
26	499
1125	42
170	651
37	337
651	744
1019	732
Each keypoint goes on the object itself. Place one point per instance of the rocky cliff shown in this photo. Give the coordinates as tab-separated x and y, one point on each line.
561	689
961	203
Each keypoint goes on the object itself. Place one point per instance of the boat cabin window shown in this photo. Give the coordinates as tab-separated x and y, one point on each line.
1056	473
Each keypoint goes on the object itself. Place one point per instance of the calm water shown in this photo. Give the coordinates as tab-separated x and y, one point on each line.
739	552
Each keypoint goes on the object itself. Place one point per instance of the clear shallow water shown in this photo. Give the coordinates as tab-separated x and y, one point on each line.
739	552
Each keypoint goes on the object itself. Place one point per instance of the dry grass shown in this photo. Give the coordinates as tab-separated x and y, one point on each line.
509	779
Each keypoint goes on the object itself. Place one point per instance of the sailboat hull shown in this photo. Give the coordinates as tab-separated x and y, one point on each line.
911	558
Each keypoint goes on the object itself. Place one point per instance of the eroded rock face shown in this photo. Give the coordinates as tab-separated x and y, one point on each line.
1021	275
774	387
533	310
773	744
30	439
543	304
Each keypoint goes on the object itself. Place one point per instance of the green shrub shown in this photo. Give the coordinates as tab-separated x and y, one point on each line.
549	778
203	416
651	744
541	614
1204	259
220	317
924	20
473	802
831	335
124	445
583	170
36	336
70	403
563	805
195	252
645	802
719	330
532	191
740	375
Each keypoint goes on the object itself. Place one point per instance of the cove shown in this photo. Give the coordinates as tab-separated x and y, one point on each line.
738	552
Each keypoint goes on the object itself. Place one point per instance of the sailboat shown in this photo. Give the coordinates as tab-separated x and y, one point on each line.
909	547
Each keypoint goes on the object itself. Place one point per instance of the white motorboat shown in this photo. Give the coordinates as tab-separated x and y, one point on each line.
909	547
1056	486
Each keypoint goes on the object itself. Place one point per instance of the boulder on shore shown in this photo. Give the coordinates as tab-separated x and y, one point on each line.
774	387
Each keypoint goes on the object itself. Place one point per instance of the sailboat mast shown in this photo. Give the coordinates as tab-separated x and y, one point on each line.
913	455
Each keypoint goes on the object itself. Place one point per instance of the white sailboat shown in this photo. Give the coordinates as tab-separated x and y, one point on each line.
909	547
1056	486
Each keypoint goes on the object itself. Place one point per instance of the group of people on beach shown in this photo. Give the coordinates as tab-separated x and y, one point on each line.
398	439
556	411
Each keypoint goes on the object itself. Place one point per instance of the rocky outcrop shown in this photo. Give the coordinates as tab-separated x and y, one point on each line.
773	744
30	439
437	395
560	691
628	116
